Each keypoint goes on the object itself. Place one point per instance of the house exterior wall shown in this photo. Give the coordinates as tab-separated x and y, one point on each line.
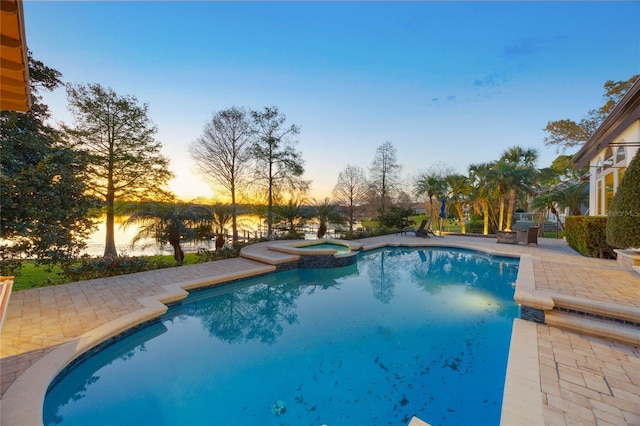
605	173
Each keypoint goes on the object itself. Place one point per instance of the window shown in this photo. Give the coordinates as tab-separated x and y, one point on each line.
599	198
620	155
608	158
608	192
599	167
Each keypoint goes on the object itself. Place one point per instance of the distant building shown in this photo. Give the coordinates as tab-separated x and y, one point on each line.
610	150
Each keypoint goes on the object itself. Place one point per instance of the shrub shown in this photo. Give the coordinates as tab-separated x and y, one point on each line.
587	235
100	267
623	224
226	252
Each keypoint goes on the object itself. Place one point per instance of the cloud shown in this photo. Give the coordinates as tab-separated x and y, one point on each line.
492	80
522	49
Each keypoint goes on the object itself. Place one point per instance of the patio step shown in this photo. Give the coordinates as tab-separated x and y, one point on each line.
595	325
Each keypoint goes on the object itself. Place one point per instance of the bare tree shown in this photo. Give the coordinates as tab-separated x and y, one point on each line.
350	190
223	154
279	167
384	174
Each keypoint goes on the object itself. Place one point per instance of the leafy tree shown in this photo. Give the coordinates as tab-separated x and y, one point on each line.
395	217
279	167
326	211
45	211
125	162
567	133
623	222
350	190
222	154
384	174
167	222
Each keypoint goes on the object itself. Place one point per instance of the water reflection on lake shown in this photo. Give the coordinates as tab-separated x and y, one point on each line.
248	227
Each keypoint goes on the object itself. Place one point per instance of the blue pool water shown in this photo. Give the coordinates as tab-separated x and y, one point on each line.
338	247
403	332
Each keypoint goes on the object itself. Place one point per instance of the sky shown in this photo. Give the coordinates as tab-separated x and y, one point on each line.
449	84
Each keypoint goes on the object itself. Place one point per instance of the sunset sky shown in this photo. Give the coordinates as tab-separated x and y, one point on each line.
450	83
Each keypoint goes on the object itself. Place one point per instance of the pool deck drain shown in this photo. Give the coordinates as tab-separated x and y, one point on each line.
555	376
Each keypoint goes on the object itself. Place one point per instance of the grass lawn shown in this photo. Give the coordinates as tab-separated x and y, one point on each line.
32	276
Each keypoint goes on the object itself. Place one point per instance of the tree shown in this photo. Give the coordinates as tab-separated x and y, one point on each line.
432	184
222	154
384	174
125	162
523	178
46	212
623	223
326	211
279	167
481	191
567	133
222	215
168	222
459	191
294	214
350	190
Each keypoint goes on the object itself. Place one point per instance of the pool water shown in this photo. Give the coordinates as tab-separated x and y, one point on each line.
338	247
403	332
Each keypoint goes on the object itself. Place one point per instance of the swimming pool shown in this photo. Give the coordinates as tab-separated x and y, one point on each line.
403	332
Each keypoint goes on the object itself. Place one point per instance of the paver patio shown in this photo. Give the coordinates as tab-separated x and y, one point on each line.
555	376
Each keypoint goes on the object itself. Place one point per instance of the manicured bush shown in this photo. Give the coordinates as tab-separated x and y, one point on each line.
100	267
623	225
587	235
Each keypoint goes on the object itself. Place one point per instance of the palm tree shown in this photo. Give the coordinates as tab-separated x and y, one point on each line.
326	211
481	192
522	177
222	215
433	185
294	213
459	191
500	177
572	197
168	222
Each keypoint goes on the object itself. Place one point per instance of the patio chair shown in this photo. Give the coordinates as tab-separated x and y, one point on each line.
423	230
532	235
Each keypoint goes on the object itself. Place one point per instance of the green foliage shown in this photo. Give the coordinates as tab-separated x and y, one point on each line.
226	252
623	225
100	267
46	213
125	162
394	218
279	166
567	133
587	235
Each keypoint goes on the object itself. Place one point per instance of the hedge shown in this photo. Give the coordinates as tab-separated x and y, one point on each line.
587	235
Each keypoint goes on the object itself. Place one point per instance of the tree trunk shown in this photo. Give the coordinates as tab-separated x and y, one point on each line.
512	204
234	218
463	228
110	241
322	229
501	217
485	207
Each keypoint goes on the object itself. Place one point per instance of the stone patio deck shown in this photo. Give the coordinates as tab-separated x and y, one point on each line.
555	376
